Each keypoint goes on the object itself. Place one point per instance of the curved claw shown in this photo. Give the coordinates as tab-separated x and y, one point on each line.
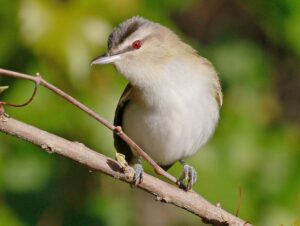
188	177
138	174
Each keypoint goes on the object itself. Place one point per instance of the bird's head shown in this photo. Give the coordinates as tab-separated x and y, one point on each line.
139	48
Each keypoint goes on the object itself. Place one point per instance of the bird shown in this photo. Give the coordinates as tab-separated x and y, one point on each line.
171	104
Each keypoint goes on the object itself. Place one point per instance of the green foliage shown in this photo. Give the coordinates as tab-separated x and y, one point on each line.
255	148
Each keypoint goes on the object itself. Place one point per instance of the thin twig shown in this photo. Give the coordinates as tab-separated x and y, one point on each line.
39	80
163	191
24	104
239	202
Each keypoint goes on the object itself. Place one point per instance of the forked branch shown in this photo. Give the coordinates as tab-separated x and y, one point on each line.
38	80
163	191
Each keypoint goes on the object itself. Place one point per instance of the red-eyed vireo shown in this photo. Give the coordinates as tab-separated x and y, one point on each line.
170	107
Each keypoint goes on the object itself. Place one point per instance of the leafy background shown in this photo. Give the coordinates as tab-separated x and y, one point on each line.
255	47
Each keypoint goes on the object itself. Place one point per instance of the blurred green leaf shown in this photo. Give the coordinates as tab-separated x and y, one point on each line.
7	217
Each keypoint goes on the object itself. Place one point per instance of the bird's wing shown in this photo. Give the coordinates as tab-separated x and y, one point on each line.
120	145
218	95
216	90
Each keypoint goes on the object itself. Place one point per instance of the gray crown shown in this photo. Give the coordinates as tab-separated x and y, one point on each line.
124	30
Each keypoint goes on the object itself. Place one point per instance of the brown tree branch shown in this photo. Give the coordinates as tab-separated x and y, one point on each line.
163	191
38	80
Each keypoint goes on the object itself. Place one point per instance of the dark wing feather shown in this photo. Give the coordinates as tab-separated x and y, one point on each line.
120	145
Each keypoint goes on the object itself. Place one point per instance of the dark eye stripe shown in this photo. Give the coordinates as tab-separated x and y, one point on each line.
122	32
130	30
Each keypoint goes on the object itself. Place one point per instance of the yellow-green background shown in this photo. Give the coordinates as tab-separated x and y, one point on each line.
255	46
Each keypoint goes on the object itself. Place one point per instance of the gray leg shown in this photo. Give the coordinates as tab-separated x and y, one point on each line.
138	172
188	177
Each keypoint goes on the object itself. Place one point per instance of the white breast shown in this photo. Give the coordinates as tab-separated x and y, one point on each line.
174	117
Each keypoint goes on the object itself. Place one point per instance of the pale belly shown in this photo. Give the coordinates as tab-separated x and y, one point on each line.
172	132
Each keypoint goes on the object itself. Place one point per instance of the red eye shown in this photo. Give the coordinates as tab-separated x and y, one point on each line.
136	44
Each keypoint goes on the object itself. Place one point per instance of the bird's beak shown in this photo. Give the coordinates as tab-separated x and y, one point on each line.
106	59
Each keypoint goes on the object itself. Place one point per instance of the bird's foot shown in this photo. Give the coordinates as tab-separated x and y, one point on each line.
188	177
138	173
